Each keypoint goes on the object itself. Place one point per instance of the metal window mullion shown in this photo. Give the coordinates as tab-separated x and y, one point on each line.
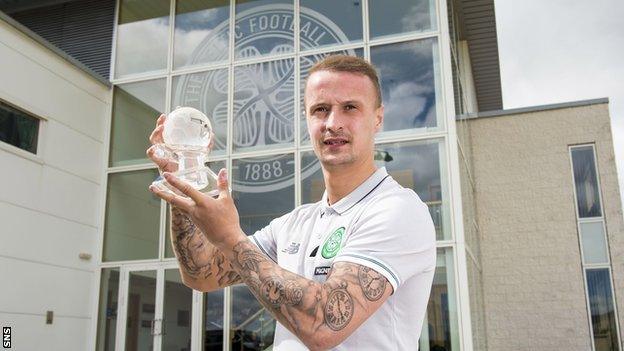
297	101
200	68
129	168
162	231
403	38
366	30
172	6
140	77
159	301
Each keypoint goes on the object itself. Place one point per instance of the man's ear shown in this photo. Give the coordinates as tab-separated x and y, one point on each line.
379	117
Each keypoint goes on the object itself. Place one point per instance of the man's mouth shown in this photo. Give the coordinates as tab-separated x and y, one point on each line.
335	141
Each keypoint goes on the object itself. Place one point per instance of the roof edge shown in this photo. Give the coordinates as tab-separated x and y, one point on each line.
514	111
39	39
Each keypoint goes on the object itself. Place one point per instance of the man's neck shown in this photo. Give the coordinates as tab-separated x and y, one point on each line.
341	181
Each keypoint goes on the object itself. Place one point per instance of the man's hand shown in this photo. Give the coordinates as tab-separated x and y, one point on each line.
217	217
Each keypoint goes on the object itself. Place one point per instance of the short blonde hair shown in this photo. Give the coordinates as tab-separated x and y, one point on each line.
351	64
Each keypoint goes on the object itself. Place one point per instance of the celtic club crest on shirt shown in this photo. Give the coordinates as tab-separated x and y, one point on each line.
263	108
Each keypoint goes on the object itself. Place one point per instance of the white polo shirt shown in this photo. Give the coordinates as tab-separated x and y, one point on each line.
380	225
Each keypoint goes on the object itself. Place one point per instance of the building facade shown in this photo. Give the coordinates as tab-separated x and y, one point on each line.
507	272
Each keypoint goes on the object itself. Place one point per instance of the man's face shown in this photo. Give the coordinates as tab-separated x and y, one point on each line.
342	117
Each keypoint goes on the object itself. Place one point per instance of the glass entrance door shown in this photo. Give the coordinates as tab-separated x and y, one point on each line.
155	310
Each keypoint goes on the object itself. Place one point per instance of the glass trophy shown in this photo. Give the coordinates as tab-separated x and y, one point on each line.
186	135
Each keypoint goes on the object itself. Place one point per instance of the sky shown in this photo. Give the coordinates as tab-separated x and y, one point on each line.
554	51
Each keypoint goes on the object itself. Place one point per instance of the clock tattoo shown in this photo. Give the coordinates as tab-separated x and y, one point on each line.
273	291
372	283
339	309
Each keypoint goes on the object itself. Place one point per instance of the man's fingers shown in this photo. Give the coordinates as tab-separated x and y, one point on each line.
185	188
160	120
164	164
223	184
177	201
156	136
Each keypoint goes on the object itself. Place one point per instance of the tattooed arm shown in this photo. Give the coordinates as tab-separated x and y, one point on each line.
202	266
320	315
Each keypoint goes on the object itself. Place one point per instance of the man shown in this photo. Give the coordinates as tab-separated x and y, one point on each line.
351	272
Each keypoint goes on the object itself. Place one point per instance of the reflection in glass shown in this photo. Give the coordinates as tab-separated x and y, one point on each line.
263	27
263	104
213	320
408	75
312	182
253	327
398	17
207	92
416	165
594	242
136	106
263	189
440	328
132	217
201	32
142	36
329	22
215	166
177	310
305	63
107	315
141	309
586	182
601	308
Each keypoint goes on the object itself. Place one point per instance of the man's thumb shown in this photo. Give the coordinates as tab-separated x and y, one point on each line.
222	183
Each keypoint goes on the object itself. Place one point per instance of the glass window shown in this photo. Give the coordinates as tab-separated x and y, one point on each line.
132	217
263	189
408	74
416	165
207	92
253	327
107	315
329	22
594	242
305	63
201	32
263	27
18	128
440	328
136	106
601	309
177	311
213	320
586	182
142	36
215	166
312	182
397	17
264	105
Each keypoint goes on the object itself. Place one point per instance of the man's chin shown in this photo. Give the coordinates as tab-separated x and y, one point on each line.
336	161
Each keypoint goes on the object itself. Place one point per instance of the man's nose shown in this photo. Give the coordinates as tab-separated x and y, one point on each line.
334	120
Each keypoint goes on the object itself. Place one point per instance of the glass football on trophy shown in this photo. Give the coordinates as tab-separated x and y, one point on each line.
186	135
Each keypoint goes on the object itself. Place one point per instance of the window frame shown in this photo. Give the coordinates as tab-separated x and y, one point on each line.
35	157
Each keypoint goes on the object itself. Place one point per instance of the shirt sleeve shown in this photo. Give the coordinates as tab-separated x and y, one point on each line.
266	238
394	236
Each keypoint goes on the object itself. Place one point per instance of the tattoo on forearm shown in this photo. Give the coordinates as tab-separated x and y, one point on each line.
372	283
291	297
197	257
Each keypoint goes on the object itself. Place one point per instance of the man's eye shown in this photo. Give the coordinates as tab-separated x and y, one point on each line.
320	109
349	107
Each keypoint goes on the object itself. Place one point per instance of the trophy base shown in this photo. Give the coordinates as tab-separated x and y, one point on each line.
202	179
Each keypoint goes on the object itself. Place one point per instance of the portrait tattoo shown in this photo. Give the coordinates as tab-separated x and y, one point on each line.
372	283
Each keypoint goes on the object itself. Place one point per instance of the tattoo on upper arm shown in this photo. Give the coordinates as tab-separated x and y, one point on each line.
372	283
339	308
